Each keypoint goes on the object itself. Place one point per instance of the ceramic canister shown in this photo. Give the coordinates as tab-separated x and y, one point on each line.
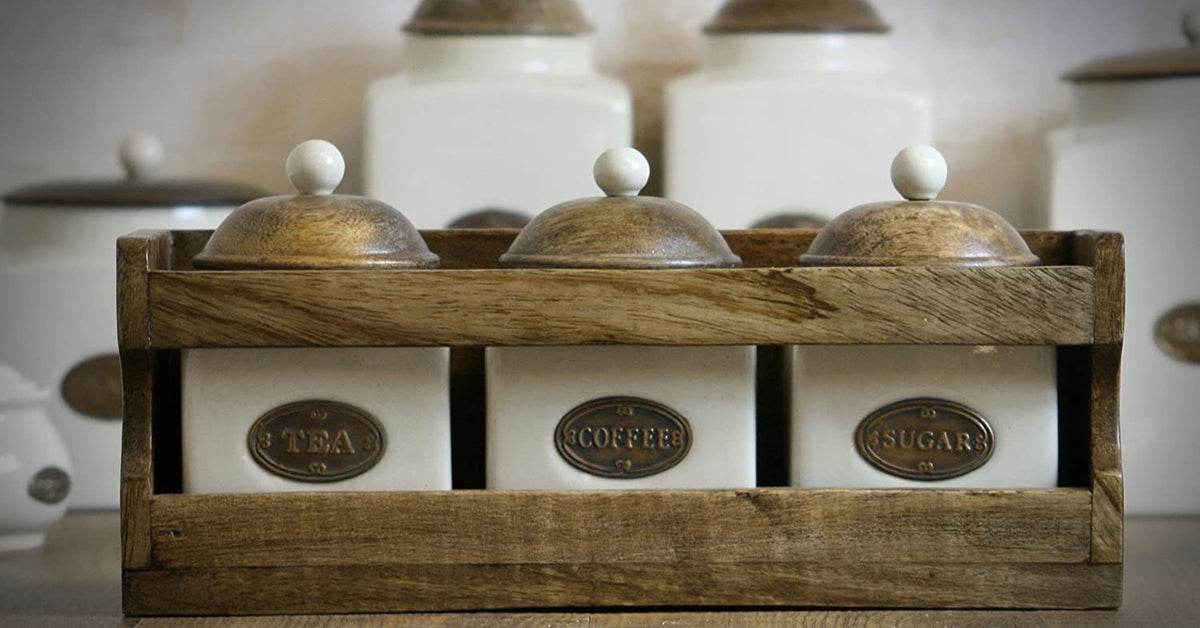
35	473
920	416
316	418
58	316
605	417
795	110
1128	161
498	107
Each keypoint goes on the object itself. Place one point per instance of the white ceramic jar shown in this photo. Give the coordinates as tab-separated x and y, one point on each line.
499	106
35	473
1128	162
919	416
316	419
58	316
795	110
604	417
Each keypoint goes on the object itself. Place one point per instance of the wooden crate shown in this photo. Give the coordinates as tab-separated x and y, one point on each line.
474	549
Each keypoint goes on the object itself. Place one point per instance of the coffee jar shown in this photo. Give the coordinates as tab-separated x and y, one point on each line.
315	418
58	317
609	417
921	416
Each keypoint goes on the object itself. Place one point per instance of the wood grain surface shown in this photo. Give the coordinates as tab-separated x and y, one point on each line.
75	582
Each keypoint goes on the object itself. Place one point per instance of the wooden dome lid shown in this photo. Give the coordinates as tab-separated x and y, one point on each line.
315	228
498	17
1158	64
621	229
796	16
919	231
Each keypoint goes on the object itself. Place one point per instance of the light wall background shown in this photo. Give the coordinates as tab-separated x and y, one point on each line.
231	85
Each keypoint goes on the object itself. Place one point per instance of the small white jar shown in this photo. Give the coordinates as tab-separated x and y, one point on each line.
58	317
316	419
499	106
1128	162
789	97
605	417
35	472
919	416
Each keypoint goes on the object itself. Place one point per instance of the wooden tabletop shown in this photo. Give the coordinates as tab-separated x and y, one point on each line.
75	581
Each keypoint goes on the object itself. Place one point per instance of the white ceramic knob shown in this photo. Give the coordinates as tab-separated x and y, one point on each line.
919	173
315	167
141	153
621	171
1191	25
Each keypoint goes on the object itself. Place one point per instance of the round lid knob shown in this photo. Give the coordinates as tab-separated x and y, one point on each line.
315	167
796	16
1156	64
498	17
919	231
620	229
315	228
141	153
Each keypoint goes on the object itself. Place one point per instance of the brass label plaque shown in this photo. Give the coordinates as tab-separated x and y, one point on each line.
50	485
1178	332
316	441
925	439
93	387
623	437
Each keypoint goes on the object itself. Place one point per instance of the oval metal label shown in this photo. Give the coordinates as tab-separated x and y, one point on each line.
93	387
925	439
623	437
1178	332
316	441
51	485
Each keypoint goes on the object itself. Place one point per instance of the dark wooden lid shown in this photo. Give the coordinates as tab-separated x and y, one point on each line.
315	229
919	231
620	230
1158	64
140	154
796	16
490	218
498	17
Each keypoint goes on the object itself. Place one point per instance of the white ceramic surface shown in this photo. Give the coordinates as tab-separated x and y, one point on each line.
530	389
777	123
226	390
58	307
35	472
835	387
509	122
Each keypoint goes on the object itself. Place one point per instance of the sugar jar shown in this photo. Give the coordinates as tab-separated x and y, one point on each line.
790	96
58	319
1128	162
315	418
498	105
916	416
584	417
35	472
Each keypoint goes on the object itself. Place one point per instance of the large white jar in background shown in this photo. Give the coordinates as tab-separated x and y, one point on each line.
499	106
1130	161
796	109
35	473
604	417
316	419
58	321
919	416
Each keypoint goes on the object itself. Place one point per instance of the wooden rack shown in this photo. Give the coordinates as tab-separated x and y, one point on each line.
289	553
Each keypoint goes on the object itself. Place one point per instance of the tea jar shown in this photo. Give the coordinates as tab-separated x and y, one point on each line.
58	316
1128	162
498	106
796	109
35	472
315	418
914	416
600	417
